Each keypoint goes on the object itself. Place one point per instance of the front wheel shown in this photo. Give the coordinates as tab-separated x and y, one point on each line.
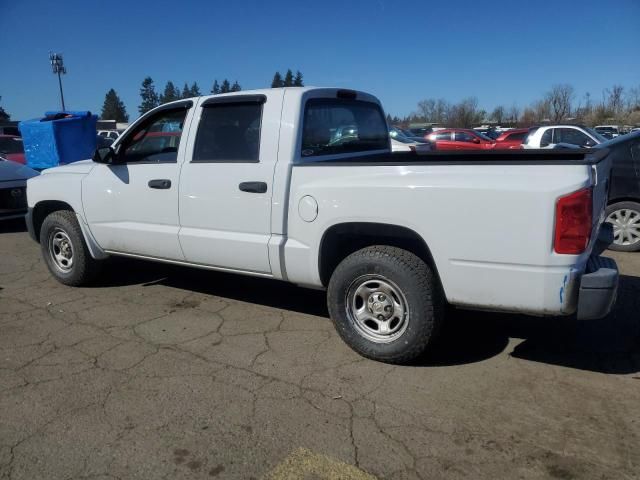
65	251
386	304
625	219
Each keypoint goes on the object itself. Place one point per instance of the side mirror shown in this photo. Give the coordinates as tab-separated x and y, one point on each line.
104	155
476	140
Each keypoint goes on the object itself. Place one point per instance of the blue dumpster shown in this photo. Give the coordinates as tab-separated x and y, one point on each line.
58	138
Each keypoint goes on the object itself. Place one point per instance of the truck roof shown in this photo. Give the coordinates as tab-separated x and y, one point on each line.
300	91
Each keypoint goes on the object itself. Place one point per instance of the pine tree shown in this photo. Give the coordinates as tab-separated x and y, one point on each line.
277	81
226	86
186	91
288	79
113	108
235	87
149	96
194	90
216	88
4	116
170	94
297	82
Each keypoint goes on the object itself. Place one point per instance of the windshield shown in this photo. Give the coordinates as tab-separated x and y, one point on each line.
11	145
483	136
402	139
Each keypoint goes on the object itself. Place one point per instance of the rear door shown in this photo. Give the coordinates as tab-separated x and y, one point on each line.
443	140
226	182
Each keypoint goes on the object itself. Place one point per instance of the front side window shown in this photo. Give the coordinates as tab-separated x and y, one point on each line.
229	133
156	139
463	137
573	136
337	126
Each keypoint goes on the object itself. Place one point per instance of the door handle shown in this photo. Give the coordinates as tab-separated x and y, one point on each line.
160	183
253	187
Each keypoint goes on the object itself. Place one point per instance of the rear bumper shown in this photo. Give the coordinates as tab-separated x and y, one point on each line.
598	288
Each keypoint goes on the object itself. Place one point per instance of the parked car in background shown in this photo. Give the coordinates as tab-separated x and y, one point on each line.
549	136
112	134
461	139
608	131
511	139
623	204
12	148
400	143
13	188
407	134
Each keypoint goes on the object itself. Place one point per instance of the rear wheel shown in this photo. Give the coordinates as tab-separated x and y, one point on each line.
625	219
386	304
65	251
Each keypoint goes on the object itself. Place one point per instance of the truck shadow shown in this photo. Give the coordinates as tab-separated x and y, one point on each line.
610	345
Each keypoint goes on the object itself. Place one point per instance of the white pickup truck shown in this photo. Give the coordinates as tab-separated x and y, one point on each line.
258	183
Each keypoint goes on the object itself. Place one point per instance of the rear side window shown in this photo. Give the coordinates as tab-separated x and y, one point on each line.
336	126
229	133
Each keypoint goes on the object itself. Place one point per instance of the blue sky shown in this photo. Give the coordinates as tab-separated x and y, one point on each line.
502	52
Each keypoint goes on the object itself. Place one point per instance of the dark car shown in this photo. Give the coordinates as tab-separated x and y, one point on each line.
623	209
13	188
12	148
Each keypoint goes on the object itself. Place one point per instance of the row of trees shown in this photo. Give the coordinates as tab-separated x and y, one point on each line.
288	81
114	109
618	106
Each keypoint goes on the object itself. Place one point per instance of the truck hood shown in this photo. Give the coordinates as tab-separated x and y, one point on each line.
10	171
82	167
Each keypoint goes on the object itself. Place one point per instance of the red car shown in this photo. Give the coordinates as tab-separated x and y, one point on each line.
511	138
460	139
11	148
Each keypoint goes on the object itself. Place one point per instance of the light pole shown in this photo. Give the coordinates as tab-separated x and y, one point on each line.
58	68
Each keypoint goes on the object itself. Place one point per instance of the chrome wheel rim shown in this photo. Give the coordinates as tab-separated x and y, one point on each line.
626	226
61	250
377	308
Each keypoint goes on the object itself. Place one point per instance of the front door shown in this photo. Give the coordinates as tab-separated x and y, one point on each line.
131	206
227	181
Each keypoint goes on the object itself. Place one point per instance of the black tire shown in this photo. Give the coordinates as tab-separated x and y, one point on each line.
84	268
416	286
618	244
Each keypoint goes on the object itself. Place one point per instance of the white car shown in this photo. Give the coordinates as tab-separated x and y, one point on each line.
610	131
550	136
255	185
401	143
112	134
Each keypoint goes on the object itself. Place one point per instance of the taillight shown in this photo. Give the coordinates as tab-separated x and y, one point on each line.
573	222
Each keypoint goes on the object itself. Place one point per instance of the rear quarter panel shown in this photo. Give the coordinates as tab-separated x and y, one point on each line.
489	227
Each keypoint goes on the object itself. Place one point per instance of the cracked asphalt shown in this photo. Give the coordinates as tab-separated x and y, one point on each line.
161	372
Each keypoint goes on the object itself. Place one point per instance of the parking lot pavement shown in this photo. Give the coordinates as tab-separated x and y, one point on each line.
167	372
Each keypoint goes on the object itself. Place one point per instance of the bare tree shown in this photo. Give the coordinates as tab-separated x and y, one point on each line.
514	115
615	100
426	109
559	99
498	114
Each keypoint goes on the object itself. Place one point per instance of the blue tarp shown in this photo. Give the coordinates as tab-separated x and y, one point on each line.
52	141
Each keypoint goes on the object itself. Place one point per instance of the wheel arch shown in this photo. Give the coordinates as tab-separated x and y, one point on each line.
343	239
44	208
